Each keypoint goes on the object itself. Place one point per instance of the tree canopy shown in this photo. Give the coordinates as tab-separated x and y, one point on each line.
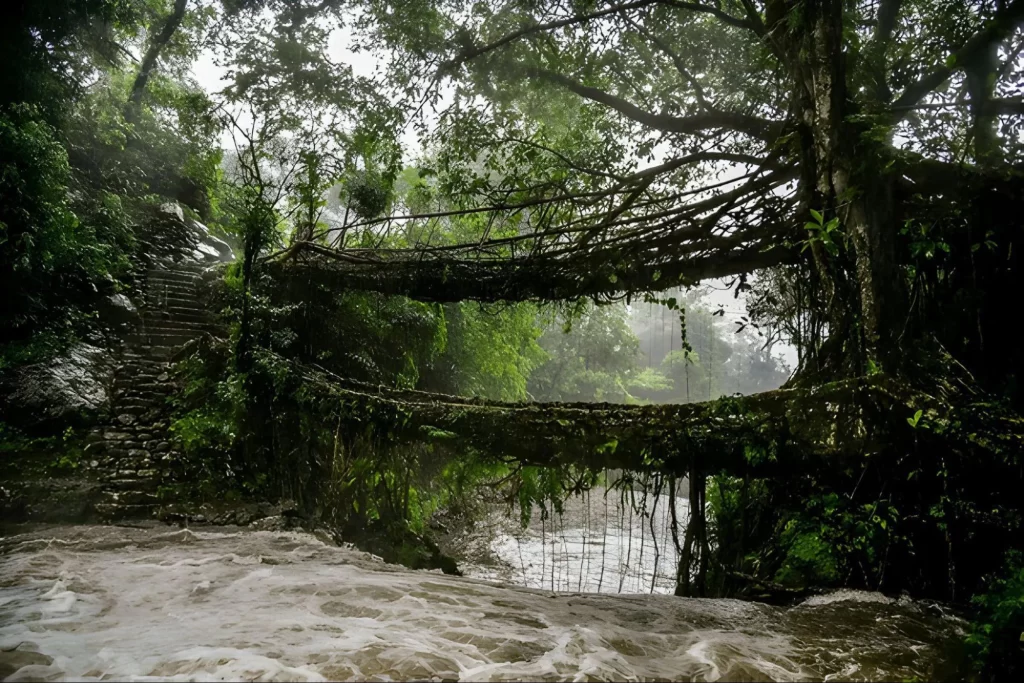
606	148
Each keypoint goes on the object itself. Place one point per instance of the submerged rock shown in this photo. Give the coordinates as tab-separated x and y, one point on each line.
16	660
277	523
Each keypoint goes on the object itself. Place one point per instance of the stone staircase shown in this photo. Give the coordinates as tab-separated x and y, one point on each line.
135	448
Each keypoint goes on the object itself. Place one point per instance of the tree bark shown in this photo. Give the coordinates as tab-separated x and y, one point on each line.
844	177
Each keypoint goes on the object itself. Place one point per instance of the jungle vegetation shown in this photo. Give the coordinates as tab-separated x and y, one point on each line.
852	168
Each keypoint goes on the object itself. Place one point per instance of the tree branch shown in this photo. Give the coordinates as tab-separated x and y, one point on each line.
997	105
754	126
474	51
997	29
156	45
888	12
676	60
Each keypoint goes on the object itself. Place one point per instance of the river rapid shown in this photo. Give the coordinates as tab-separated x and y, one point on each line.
159	603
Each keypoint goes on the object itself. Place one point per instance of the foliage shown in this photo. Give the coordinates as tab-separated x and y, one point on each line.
76	176
27	456
915	512
996	635
592	355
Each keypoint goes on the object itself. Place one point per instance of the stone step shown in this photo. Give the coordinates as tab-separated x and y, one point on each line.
159	286
137	371
151	373
145	397
131	356
157	297
190	295
132	405
116	512
172	275
177	276
126	379
176	304
188	315
151	387
150	326
164	299
132	483
180	266
171	340
159	353
197	314
131	498
168	335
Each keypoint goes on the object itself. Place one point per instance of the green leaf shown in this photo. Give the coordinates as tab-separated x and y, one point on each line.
817	216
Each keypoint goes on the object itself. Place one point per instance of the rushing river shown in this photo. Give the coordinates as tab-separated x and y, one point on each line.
227	604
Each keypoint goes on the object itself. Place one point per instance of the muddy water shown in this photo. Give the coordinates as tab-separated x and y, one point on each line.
161	604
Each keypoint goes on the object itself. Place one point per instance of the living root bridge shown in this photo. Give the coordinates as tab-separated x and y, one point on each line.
446	276
783	433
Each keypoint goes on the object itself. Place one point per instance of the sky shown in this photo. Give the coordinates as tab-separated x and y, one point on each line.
717	293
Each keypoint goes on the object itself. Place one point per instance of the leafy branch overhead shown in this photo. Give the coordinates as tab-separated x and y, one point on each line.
614	148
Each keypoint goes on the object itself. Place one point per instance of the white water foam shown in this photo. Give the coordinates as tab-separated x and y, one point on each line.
88	603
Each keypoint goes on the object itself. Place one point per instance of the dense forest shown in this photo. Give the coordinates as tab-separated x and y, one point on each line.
452	258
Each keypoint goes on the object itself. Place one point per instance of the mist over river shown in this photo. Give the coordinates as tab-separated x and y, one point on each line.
598	543
91	602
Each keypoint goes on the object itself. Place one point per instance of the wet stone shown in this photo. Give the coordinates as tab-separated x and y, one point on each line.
126	419
116	436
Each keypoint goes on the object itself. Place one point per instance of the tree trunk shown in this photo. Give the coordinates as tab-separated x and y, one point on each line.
843	177
156	46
